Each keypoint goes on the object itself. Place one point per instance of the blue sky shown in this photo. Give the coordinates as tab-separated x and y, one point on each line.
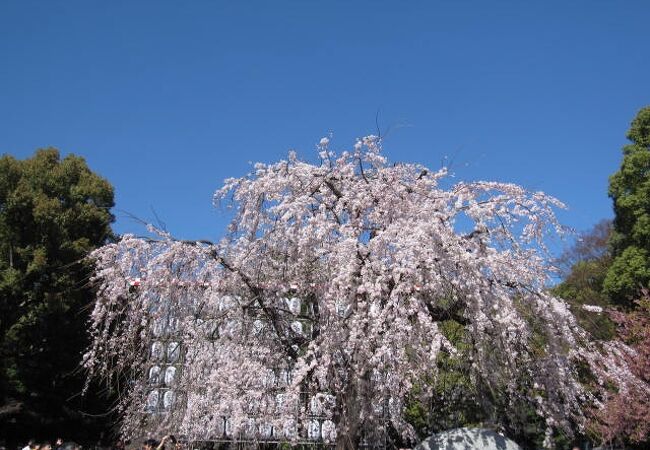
167	98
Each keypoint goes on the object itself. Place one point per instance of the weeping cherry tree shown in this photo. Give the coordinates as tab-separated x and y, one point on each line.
326	298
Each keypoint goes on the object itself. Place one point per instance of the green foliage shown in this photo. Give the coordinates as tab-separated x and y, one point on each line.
629	188
52	212
584	267
628	273
460	401
455	403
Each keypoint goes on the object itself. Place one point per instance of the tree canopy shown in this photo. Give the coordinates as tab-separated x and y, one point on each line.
629	189
53	211
396	272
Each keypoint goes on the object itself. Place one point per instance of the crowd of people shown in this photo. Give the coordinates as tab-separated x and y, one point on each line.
59	444
166	443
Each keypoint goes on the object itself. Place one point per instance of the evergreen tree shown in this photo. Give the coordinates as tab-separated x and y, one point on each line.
629	188
53	211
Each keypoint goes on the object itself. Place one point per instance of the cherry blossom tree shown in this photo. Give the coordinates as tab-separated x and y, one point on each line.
325	301
626	416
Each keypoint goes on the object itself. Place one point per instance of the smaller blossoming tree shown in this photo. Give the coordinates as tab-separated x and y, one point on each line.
323	310
626	415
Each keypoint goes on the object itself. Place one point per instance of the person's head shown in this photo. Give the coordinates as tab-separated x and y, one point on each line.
59	442
46	446
149	444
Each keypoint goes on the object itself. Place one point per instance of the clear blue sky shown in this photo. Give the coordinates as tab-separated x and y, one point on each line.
168	98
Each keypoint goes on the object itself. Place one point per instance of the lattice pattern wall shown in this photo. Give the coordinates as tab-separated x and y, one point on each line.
167	358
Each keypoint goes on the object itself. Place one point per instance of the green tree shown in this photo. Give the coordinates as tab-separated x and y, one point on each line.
629	188
583	269
52	212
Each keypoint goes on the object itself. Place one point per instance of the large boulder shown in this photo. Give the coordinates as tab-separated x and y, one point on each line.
467	439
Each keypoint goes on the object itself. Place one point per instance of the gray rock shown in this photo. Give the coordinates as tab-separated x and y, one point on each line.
467	439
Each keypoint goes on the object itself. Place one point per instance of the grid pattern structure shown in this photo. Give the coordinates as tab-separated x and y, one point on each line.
166	356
